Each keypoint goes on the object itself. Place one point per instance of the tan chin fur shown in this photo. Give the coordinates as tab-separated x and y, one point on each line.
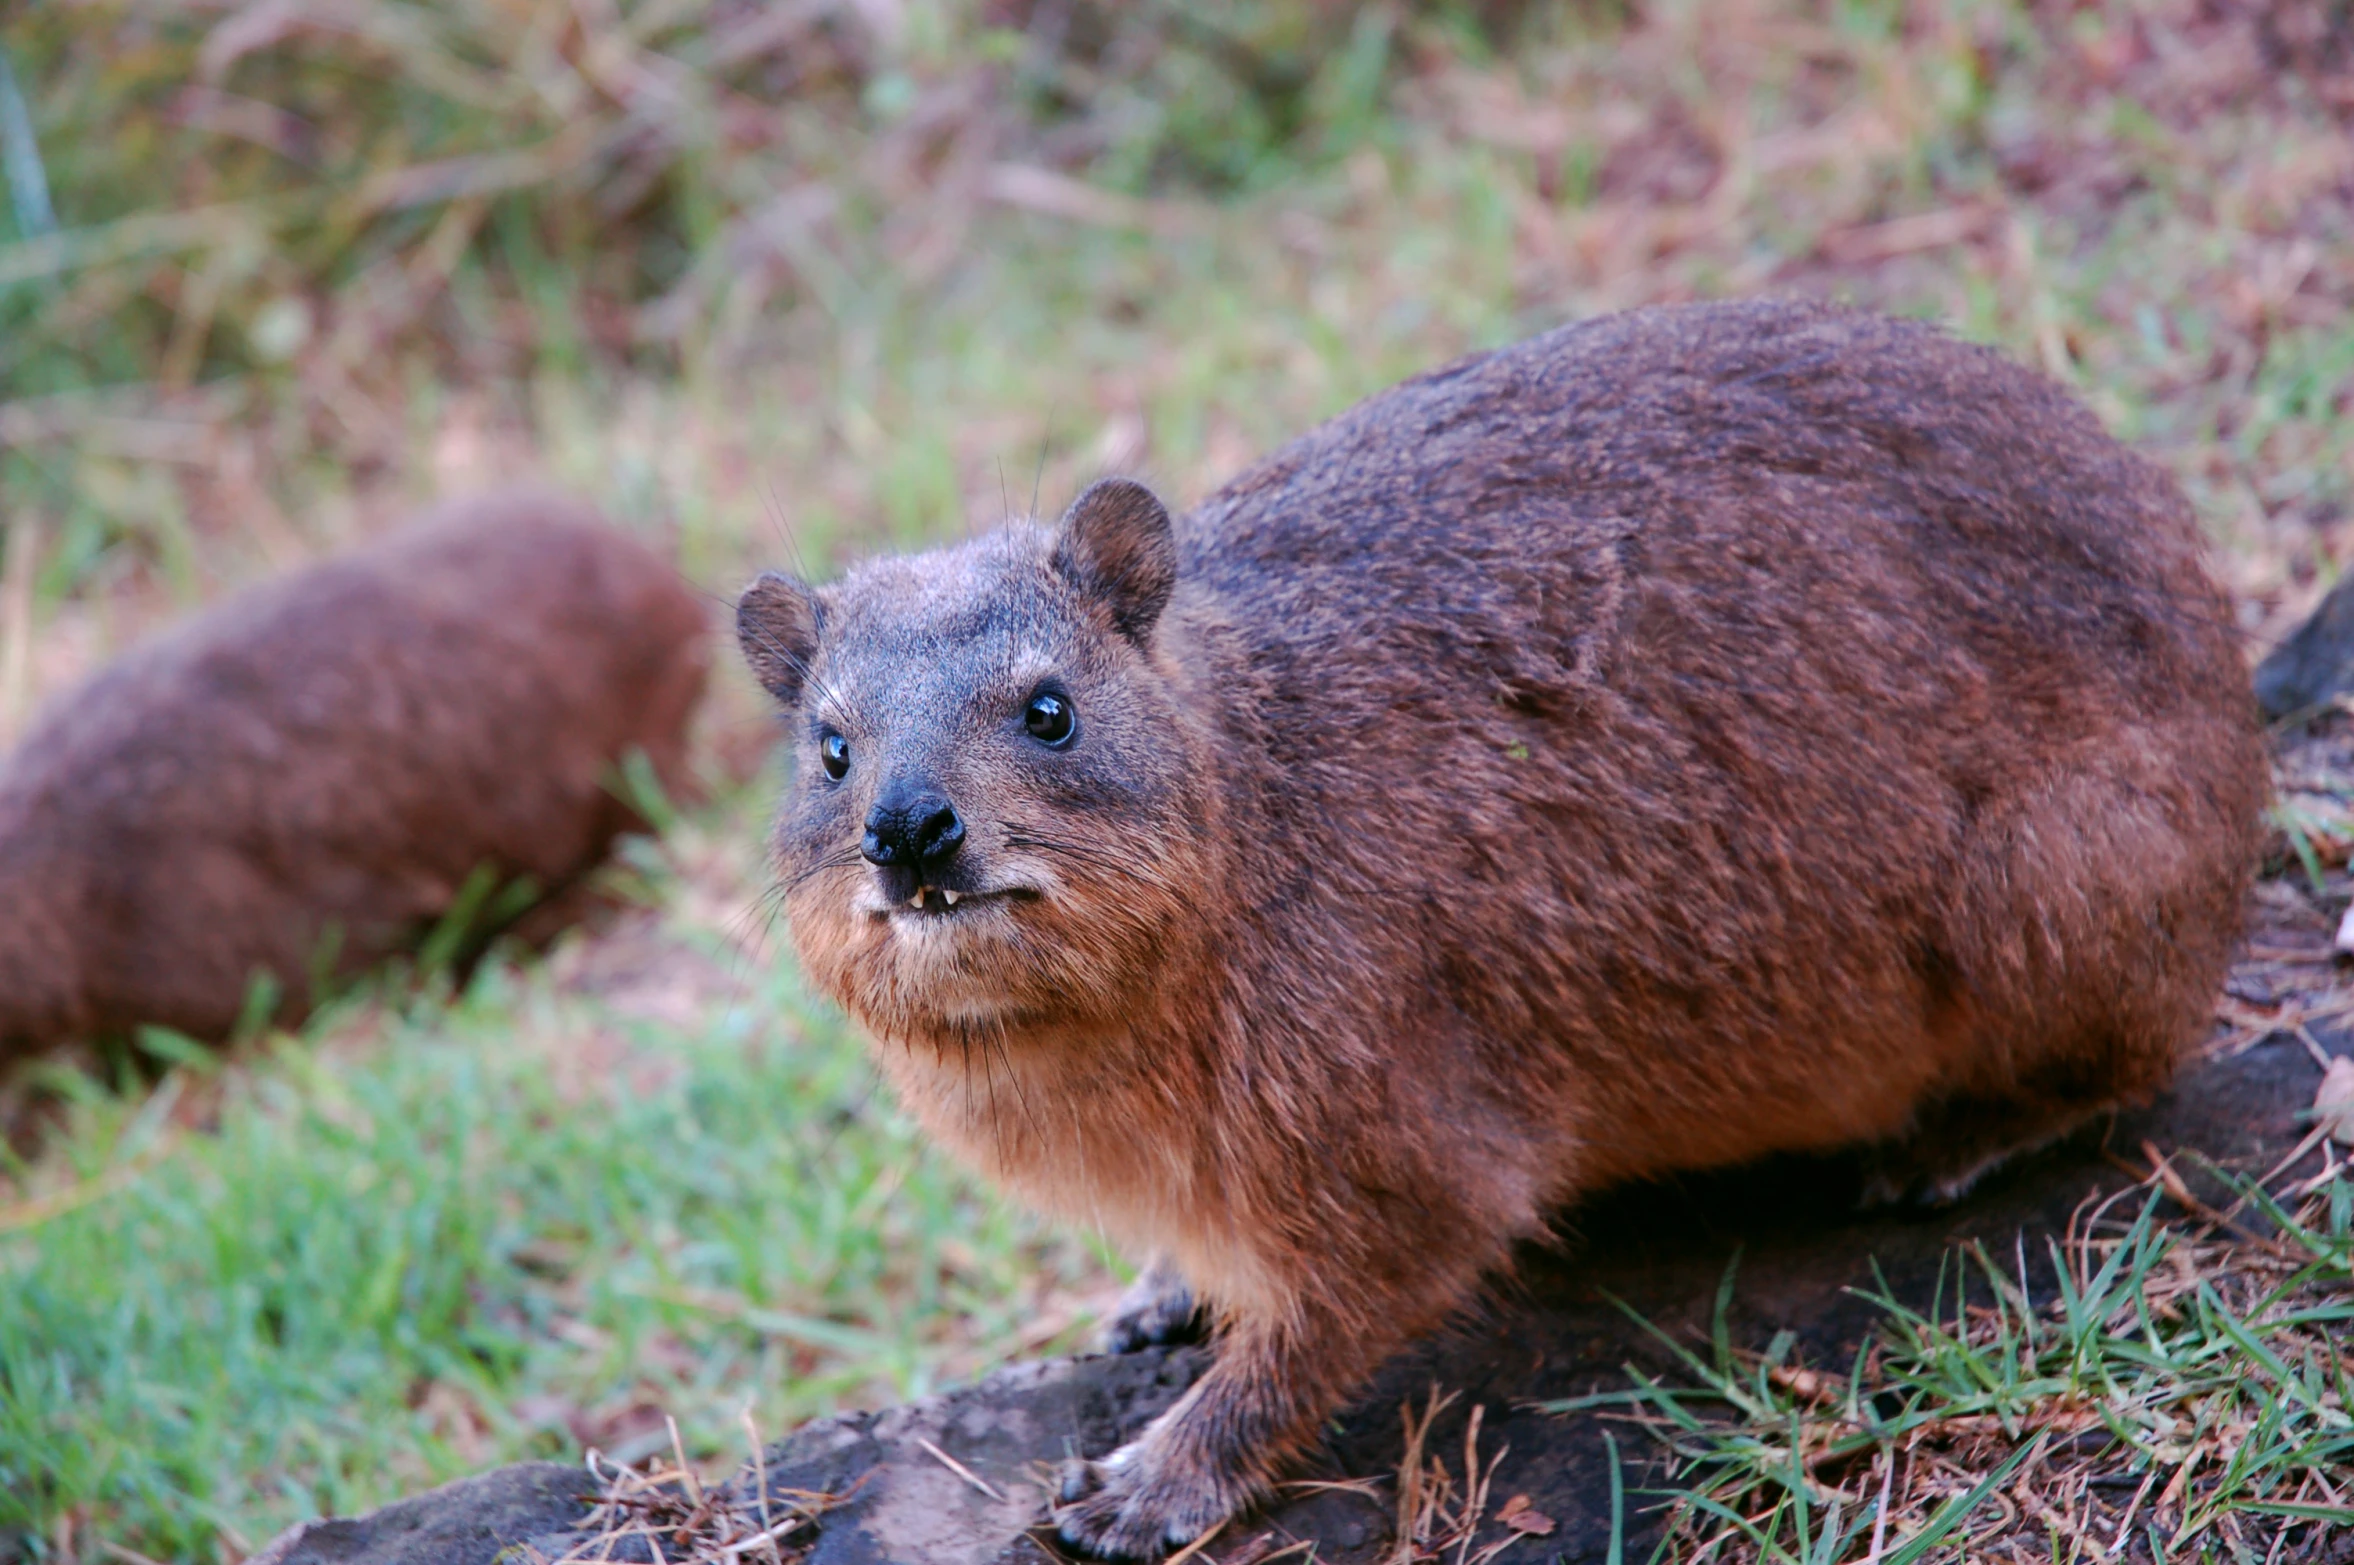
1019	1044
1082	953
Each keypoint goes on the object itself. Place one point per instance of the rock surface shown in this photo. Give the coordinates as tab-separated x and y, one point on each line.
2314	663
472	1519
1551	1331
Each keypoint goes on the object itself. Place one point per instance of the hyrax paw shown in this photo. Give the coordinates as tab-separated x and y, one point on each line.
1119	1508
1905	1187
1157	1310
1886	1190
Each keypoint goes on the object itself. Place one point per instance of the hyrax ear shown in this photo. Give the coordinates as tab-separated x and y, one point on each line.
776	625
1115	544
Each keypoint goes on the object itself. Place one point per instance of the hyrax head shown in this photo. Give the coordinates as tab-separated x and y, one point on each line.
993	816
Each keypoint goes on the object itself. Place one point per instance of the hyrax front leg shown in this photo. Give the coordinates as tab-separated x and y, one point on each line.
1209	1456
1158	1308
1283	1365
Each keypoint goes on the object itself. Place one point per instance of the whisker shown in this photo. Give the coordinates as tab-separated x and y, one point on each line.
763	907
801	666
997	1033
783	524
1083	854
1038	479
745	944
761	914
964	1040
831	861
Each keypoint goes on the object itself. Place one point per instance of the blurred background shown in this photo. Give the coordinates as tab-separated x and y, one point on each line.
784	282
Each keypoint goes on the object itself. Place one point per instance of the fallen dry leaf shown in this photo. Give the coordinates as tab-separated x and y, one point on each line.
1520	1516
2333	1105
1254	1551
1807	1385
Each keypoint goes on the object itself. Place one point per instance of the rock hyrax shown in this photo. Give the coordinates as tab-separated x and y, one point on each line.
302	778
1691	735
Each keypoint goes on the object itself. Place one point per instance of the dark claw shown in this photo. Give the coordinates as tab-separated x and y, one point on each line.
1077	1483
1158	1312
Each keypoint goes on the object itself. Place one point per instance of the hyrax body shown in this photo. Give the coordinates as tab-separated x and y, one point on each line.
303	778
1688	736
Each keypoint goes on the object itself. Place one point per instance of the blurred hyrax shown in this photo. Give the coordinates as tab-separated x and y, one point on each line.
1691	735
303	778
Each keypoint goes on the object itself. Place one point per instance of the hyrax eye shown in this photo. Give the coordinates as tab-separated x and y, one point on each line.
833	753
1049	719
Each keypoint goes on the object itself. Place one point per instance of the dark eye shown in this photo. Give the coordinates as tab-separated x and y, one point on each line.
833	752
1049	719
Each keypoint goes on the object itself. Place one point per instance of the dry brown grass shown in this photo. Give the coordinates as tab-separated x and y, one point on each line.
880	321
664	1511
2181	1393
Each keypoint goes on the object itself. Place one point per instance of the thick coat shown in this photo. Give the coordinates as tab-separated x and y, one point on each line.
1687	736
304	777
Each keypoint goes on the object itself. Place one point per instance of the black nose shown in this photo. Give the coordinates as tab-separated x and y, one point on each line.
918	831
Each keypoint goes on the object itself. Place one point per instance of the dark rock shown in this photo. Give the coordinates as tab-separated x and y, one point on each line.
2315	663
472	1519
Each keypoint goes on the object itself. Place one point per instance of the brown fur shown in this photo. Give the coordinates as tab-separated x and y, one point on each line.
1688	736
302	778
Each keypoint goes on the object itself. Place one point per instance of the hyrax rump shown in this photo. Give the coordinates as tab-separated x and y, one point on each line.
1691	735
303	778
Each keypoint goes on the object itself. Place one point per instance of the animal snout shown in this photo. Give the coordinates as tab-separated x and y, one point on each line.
918	832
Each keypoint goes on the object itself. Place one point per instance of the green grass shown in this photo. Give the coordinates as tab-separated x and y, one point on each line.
477	1228
783	305
2182	1394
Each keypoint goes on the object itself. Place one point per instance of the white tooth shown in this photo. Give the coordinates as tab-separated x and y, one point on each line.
917	901
950	895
